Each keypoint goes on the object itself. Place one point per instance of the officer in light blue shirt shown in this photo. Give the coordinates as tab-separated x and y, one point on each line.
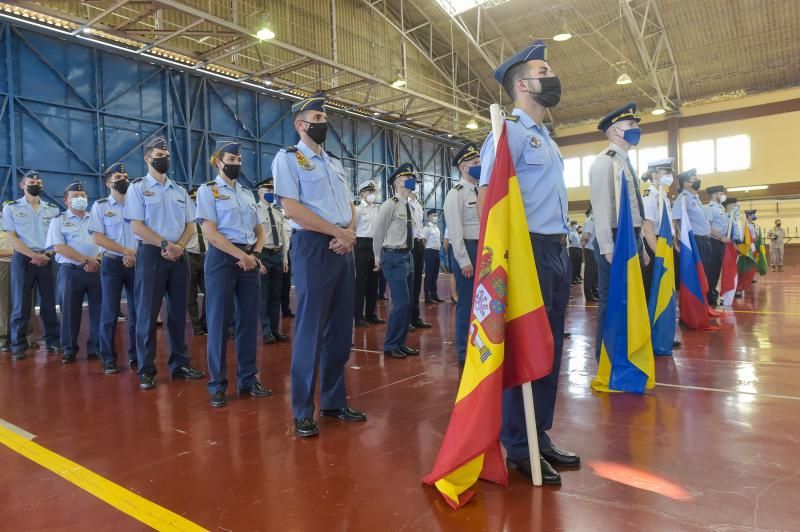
161	215
534	87
227	212
315	194
718	220
113	234
590	288
689	184
26	222
731	205
78	272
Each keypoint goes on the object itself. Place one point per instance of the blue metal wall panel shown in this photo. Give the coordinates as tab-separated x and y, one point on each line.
69	110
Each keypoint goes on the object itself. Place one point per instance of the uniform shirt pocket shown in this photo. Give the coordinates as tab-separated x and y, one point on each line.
534	157
226	213
312	187
114	226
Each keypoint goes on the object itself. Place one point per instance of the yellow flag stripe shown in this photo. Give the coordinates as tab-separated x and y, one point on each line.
461	479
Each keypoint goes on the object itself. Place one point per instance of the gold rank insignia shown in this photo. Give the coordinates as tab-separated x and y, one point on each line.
110	213
535	142
148	192
218	195
304	163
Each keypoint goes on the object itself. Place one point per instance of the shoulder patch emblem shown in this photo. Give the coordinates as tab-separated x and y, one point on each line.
136	180
611	153
303	162
104	200
218	195
290	149
458	187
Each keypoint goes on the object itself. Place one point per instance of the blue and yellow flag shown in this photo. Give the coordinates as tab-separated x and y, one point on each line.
661	305
626	355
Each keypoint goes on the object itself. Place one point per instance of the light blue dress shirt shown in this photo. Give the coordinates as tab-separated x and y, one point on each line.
540	171
588	227
29	225
574	239
166	209
318	182
107	218
695	211
73	231
715	214
232	209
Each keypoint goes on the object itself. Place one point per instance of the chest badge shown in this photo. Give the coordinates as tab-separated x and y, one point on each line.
20	214
304	163
69	224
219	195
110	213
535	142
148	192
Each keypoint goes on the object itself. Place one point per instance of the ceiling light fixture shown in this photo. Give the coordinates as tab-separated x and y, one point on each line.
563	35
624	79
399	82
265	34
658	111
268	81
747	189
472	124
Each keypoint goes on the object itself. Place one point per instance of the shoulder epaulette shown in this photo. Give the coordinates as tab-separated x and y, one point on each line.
332	155
10	202
512	118
357	202
611	153
290	149
458	187
104	200
209	183
394	199
646	193
136	180
52	204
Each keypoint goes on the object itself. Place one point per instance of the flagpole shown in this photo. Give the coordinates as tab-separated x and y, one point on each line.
527	389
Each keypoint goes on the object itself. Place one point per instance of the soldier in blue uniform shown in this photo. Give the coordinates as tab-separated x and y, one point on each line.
114	236
718	220
228	214
26	222
313	189
161	215
392	244
689	185
78	272
534	87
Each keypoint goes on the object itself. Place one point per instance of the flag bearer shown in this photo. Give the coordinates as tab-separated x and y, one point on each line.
660	176
715	214
689	185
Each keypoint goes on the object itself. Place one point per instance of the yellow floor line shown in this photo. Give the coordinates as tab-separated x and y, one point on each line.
727	311
123	500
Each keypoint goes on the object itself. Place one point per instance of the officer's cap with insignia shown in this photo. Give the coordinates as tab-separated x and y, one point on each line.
30	174
404	170
626	112
534	51
729	201
687	175
75	186
431	212
228	146
715	189
265	183
468	152
662	164
366	185
116	168
315	102
751	212
156	142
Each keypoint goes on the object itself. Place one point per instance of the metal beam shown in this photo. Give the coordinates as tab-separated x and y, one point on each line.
283	68
315	80
172	35
102	14
378	102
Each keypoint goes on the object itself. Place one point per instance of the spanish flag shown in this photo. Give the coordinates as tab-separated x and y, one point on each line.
510	340
626	354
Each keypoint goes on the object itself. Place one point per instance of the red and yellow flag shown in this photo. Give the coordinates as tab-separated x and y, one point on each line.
510	341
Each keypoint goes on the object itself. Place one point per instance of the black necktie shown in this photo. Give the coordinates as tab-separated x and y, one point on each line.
409	235
636	188
200	240
275	241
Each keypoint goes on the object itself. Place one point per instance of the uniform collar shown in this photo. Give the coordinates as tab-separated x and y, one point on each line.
529	122
618	150
112	201
69	214
153	181
655	188
308	152
221	183
467	184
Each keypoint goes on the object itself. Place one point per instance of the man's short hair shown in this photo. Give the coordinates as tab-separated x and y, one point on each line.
514	73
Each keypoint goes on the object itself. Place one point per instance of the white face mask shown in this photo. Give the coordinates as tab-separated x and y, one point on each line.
666	180
434	219
722	198
371	198
79	203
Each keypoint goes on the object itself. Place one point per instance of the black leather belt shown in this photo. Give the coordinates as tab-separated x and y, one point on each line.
271	251
556	239
396	250
364	239
70	266
701	237
247	248
112	257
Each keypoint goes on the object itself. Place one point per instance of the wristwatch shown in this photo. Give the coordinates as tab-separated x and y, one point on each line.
164	244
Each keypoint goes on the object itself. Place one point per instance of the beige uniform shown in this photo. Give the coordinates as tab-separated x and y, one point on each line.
270	242
461	218
776	237
6	250
391	227
604	193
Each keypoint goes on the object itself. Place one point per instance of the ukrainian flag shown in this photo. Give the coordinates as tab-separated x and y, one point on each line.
626	355
662	290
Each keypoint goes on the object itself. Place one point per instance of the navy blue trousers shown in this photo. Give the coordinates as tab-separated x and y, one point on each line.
114	276
555	275
24	276
74	284
464	287
269	307
431	273
157	277
398	268
227	285
325	292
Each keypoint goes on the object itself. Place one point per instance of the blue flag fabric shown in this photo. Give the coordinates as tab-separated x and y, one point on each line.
661	305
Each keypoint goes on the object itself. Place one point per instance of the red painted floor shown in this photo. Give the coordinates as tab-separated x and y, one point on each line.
680	458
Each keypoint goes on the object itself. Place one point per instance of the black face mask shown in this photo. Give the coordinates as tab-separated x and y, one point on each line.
317	131
160	165
232	171
34	190
551	92
121	186
696	184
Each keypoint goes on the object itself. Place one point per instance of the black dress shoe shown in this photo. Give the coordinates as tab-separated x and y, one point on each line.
422	324
269	339
567	335
256	390
428	301
5	348
280	337
18	355
676	344
199	332
289	314
305	427
345	414
218	400
93	356
558	457
592	299
188	373
550	476
110	368
68	358
361	323
53	349
147	382
411	328
133	365
408	351
375	320
394	353
437	299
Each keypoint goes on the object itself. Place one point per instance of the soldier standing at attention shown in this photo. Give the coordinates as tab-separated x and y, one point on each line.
418	255
275	258
433	246
366	276
195	258
776	237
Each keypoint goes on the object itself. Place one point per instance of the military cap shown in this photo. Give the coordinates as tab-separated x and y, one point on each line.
751	212
687	175
228	146
268	182
715	189
75	186
156	142
30	174
662	164
729	201
116	168
468	152
626	112
404	170
432	211
534	51
366	185
315	102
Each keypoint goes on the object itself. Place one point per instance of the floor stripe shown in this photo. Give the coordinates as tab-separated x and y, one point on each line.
366	350
727	311
720	390
123	500
16	430
387	385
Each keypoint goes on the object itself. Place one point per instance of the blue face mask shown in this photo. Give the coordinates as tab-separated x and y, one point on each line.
632	136
410	184
475	172
269	197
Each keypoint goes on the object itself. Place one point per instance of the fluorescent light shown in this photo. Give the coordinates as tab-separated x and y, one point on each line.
376	113
265	34
398	83
560	37
472	124
624	79
747	189
659	111
449	136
